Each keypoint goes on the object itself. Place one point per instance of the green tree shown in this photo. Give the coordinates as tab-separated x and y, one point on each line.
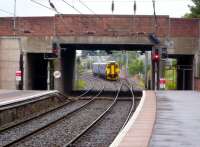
194	10
136	66
120	57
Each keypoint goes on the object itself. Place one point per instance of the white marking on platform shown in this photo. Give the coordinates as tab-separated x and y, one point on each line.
131	122
12	96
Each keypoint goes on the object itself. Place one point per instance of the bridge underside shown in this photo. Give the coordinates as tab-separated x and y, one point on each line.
184	71
66	64
68	53
118	47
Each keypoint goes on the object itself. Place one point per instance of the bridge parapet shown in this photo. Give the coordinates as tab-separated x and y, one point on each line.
99	25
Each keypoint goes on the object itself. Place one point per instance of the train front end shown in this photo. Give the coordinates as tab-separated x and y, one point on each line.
112	71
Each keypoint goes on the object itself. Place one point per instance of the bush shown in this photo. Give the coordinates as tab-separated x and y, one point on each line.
170	85
80	84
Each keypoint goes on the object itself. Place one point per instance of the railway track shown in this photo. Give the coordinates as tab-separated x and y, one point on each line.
91	86
20	106
19	132
69	124
109	85
45	112
104	129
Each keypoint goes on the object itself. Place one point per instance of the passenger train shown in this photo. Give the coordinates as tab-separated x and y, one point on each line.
109	70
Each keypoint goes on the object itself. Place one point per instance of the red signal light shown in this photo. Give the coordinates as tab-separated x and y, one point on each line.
156	56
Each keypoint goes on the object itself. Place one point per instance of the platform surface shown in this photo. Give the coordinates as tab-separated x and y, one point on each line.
138	130
177	119
11	96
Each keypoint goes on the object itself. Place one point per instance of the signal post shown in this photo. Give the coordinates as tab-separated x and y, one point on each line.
158	56
155	55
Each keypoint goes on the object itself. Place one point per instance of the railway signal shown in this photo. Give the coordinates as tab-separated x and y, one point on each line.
54	52
164	53
55	49
156	55
155	68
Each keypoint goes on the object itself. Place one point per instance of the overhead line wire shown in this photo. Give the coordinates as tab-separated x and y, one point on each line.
155	17
60	15
4	11
53	8
72	6
87	7
41	5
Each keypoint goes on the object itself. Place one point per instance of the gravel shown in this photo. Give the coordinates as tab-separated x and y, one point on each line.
109	85
21	130
68	128
107	129
87	78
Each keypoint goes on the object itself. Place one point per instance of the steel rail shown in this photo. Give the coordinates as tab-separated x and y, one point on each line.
37	116
132	106
49	111
57	120
70	143
92	87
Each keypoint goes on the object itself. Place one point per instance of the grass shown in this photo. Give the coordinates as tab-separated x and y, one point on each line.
170	76
80	84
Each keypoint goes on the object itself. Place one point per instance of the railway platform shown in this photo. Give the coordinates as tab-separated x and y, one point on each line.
163	119
15	96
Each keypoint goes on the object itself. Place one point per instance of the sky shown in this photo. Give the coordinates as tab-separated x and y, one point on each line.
173	8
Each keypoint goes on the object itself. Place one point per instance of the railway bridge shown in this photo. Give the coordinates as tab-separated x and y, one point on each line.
27	45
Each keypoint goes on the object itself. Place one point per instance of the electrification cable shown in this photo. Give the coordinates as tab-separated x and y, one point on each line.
59	14
87	7
4	11
112	6
52	8
72	6
155	17
133	17
41	5
134	7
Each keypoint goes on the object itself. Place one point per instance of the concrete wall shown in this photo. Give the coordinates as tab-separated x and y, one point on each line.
37	44
139	39
184	45
197	59
10	53
9	61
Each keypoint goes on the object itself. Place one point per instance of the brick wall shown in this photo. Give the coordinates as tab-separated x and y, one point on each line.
42	26
184	27
107	25
101	25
